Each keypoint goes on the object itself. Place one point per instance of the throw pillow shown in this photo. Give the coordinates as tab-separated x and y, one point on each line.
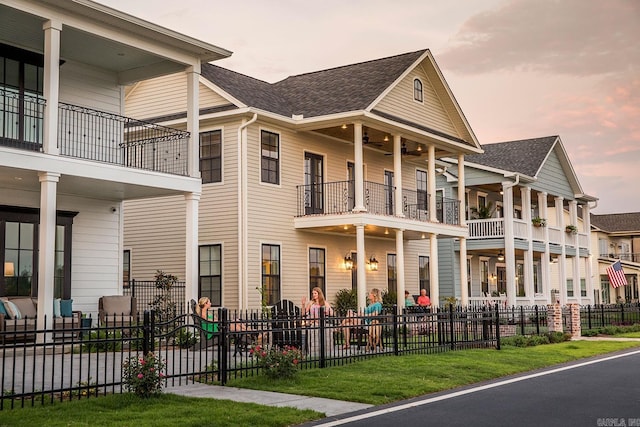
66	308
2	309
56	307
12	309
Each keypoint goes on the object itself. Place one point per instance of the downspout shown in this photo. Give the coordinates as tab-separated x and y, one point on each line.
513	184
242	212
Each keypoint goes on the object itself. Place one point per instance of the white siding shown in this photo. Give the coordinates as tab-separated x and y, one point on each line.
89	87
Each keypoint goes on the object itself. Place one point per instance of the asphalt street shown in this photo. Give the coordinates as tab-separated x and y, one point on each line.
602	391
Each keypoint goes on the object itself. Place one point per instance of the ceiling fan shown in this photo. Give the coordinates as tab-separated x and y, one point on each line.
367	141
406	152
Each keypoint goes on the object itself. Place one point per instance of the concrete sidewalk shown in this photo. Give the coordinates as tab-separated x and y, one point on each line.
329	406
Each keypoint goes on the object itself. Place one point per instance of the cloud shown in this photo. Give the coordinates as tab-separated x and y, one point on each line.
575	37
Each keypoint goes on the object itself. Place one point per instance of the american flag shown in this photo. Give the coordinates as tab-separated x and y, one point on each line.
616	275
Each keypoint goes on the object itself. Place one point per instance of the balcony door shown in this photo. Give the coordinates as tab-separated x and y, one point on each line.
351	186
388	190
313	184
501	281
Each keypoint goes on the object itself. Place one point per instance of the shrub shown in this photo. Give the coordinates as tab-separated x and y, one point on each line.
185	339
556	337
144	375
346	299
277	363
389	299
102	340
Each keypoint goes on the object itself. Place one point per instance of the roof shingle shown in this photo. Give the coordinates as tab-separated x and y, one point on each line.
618	222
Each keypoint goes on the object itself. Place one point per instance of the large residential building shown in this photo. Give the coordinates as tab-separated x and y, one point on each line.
69	156
616	237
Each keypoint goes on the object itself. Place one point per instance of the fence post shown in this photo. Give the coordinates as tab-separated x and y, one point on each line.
521	320
601	315
497	327
395	330
321	336
133	287
537	321
146	332
589	316
453	346
223	344
621	314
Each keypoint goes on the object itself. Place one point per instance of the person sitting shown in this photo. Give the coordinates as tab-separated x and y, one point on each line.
373	309
205	312
408	299
423	299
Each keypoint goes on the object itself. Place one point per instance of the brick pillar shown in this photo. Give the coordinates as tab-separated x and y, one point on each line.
575	328
554	317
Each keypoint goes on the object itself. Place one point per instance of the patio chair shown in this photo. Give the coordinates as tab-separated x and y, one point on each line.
207	330
118	311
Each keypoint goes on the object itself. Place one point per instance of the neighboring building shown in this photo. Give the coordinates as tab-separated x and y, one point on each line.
521	197
330	179
68	158
616	237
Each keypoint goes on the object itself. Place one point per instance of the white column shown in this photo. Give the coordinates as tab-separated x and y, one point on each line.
431	182
462	190
46	248
400	268
397	173
192	201
559	207
361	267
434	288
464	291
525	194
193	119
509	247
586	221
545	264
50	85
359	167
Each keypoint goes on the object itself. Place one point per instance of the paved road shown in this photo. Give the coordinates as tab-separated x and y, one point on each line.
603	391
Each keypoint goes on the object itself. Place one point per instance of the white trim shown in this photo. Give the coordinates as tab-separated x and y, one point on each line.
413	87
279	133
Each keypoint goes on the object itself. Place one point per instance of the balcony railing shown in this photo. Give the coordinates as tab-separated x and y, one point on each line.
494	228
623	257
338	197
90	134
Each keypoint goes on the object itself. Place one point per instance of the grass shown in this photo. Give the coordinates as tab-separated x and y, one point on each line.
395	378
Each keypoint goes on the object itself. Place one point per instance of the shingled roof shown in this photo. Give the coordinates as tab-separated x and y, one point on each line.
618	222
524	156
347	88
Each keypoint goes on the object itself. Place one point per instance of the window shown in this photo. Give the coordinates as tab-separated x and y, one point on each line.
520	279
392	274
126	268
210	274
421	190
537	285
19	252
583	288
569	287
484	275
468	276
271	274
423	273
417	90
270	165
211	156
317	269
21	87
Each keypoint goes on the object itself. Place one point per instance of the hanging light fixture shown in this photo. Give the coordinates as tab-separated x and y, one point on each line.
348	262
500	256
373	263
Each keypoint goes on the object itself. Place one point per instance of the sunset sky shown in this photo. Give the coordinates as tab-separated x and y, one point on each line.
518	68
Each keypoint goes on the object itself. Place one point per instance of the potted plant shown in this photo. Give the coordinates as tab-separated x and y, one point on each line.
539	222
571	229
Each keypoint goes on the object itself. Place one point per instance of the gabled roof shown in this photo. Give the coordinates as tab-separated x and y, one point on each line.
618	222
525	156
347	88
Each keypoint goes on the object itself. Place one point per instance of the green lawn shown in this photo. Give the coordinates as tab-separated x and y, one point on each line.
395	378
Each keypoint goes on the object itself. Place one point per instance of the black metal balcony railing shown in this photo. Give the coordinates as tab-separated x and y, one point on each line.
90	134
338	197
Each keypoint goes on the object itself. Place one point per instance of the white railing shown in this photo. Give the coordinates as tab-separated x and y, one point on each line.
486	228
494	228
555	235
520	229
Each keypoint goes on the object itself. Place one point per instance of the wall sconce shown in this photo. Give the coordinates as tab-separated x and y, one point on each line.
348	262
500	256
373	263
553	260
493	277
9	269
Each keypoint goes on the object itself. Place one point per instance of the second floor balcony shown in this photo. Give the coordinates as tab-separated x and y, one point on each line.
495	228
89	134
337	198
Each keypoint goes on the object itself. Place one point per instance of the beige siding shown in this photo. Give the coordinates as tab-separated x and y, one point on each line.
89	87
399	102
166	95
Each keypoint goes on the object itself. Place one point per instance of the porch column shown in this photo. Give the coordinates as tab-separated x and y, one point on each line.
193	119
509	247
431	182
359	164
573	219
47	249
545	265
397	173
192	201
586	222
50	85
559	208
400	268
462	191
434	283
529	291
360	267
464	290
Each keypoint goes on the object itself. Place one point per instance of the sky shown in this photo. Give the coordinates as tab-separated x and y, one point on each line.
518	68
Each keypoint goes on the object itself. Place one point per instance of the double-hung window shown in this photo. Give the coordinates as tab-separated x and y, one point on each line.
210	274
423	273
211	156
270	274
270	157
317	269
392	273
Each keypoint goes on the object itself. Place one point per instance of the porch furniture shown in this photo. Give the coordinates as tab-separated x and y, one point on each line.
208	330
13	324
287	325
117	311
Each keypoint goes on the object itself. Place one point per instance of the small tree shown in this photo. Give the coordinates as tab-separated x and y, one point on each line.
163	304
346	299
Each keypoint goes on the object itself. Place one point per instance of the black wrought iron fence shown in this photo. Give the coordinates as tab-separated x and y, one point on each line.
152	296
